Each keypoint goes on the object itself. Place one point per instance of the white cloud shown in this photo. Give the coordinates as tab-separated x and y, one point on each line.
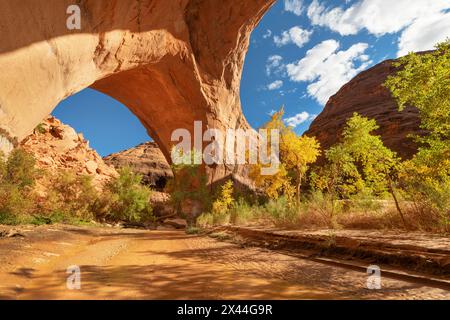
268	34
326	69
275	85
424	33
294	6
300	118
294	35
274	64
422	22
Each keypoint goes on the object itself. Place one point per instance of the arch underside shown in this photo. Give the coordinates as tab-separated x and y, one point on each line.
170	62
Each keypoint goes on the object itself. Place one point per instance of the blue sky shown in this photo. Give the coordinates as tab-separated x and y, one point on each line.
301	53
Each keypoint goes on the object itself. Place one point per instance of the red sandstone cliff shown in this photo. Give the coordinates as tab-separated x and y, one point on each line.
146	159
366	95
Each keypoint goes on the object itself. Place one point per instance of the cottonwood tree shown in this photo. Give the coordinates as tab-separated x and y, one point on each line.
359	165
423	81
296	155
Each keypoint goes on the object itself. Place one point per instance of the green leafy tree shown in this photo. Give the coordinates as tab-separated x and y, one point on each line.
297	154
360	163
423	81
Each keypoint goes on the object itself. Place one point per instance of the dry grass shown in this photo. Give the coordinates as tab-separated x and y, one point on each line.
322	213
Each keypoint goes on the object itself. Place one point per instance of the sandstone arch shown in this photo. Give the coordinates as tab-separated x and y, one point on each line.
171	62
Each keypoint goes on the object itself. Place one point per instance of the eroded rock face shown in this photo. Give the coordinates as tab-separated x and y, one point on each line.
170	62
147	160
366	95
58	147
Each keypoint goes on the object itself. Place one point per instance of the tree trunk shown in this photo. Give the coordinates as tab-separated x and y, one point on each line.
299	186
394	196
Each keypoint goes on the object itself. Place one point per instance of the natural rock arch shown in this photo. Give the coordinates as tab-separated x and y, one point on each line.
170	62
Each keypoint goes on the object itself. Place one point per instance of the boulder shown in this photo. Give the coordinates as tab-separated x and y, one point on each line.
175	223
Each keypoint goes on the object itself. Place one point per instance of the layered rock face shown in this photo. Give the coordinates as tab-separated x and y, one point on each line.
147	160
170	62
366	95
58	147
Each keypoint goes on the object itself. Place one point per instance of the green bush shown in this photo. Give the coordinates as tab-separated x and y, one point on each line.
14	204
17	177
242	213
205	220
281	212
128	199
69	198
20	169
40	128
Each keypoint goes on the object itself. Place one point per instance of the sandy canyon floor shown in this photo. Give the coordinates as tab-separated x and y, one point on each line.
140	264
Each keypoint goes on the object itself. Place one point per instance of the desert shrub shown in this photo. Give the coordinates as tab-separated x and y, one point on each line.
205	220
280	212
429	204
19	169
193	230
40	128
210	219
69	198
242	213
17	177
225	210
127	198
320	210
15	204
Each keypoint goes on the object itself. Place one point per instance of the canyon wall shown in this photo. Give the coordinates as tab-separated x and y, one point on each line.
147	160
366	95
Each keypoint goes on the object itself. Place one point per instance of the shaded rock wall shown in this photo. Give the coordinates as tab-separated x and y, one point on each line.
147	160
